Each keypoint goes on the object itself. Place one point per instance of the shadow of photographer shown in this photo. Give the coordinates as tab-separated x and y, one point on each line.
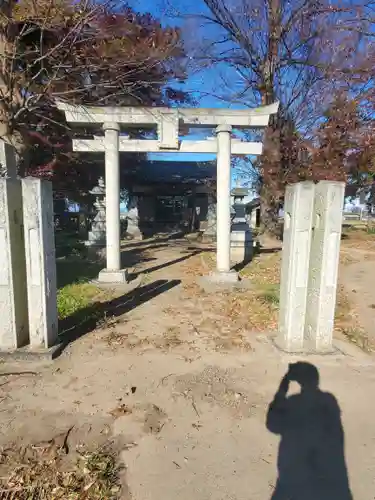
311	461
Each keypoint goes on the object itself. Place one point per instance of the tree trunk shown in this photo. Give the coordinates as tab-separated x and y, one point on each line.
269	216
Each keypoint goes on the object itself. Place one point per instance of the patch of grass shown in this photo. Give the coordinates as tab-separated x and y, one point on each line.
34	476
271	296
76	297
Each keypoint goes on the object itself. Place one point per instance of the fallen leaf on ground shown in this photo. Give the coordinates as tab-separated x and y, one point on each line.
120	411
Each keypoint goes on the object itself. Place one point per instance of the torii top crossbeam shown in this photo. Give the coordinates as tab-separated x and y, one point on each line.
209	117
168	120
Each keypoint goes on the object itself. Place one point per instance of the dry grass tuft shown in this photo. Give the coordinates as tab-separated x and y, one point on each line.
32	475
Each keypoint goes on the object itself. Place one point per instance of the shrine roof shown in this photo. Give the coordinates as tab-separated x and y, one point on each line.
174	171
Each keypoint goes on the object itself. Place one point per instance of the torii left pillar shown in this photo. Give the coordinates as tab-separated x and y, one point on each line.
113	272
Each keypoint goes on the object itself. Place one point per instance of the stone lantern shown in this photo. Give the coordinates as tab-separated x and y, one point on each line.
97	235
241	235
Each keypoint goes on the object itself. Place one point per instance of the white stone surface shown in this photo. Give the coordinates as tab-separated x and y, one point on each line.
13	298
223	277
298	214
40	262
154	146
110	276
324	261
112	194
8	160
168	125
223	207
209	117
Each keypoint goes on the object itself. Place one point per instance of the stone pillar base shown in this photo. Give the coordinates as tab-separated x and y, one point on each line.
113	276
33	354
223	277
306	348
241	254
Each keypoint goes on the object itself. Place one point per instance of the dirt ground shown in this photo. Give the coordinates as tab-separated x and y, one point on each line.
181	380
357	276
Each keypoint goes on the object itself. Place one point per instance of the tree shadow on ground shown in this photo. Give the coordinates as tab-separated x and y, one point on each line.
134	256
87	319
187	255
75	269
155	239
311	462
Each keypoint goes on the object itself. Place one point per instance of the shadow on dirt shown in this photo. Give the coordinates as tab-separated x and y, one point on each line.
87	319
311	462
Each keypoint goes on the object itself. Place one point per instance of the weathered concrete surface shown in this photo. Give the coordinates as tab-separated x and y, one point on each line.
8	160
324	263
40	261
298	216
108	276
13	300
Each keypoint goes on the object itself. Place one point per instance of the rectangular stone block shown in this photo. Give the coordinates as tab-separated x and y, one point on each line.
298	212
324	262
241	245
8	160
13	299
40	262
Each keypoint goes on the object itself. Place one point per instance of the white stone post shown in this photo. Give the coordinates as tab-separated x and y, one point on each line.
40	262
113	273
223	207
324	262
8	160
13	299
298	213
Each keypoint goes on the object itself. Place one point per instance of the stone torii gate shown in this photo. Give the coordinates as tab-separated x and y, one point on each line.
167	122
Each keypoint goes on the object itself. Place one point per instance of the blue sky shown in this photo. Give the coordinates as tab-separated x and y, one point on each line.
202	85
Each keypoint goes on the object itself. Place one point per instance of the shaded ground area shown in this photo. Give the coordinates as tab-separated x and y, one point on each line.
180	381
